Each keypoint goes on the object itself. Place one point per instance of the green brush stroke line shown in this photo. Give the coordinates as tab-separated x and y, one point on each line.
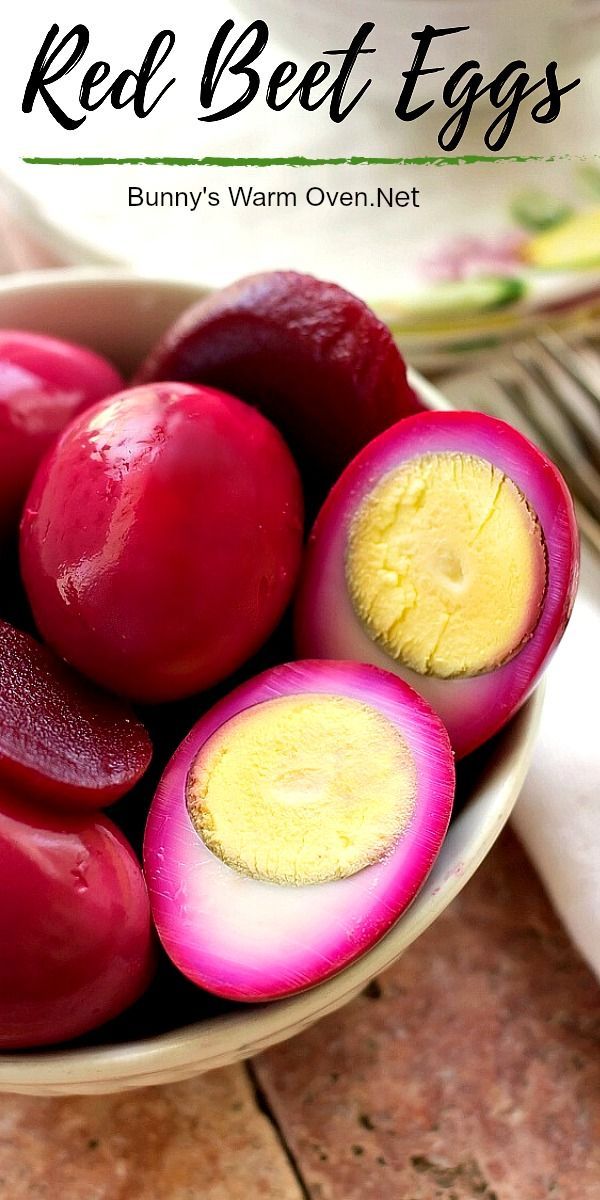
300	161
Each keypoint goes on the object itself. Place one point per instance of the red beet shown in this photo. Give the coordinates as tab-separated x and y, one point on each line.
61	738
309	354
44	382
161	539
75	926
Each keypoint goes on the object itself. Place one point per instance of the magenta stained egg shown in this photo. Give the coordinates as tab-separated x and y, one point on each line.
293	826
75	927
161	539
447	553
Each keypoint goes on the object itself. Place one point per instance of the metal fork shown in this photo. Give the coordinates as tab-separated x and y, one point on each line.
547	386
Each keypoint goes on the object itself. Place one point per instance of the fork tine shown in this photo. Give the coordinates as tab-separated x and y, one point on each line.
505	406
514	385
587	525
553	432
555	425
580	360
501	394
565	391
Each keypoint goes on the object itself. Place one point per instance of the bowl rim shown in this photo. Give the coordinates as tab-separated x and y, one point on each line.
92	275
216	1041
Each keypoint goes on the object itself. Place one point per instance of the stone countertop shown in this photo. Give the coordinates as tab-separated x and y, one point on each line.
470	1071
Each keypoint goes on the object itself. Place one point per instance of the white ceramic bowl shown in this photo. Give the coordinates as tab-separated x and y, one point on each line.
121	316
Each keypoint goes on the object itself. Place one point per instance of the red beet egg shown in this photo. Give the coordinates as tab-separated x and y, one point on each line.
44	382
161	539
448	553
75	926
294	825
61	738
309	354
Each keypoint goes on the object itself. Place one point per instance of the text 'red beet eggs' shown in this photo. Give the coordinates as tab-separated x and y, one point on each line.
293	826
61	739
307	353
44	382
161	539
447	553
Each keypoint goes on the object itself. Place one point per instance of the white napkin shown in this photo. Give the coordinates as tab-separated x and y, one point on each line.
558	813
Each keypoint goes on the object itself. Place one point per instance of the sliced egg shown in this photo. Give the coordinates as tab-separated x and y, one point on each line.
294	825
447	553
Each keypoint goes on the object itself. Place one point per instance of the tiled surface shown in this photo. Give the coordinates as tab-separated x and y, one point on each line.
202	1140
473	1074
476	1074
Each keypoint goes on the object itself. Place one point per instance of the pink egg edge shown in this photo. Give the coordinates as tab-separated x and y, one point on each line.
362	908
472	709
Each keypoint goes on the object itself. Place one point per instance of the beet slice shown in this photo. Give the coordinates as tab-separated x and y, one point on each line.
61	739
308	354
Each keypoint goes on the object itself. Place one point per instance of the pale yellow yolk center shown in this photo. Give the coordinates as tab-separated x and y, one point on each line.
303	789
446	565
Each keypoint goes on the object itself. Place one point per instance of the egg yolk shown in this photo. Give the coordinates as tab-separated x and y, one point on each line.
303	789
446	565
